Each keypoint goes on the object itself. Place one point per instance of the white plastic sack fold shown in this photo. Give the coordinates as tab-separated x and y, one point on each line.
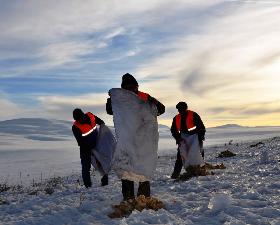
137	136
104	150
190	150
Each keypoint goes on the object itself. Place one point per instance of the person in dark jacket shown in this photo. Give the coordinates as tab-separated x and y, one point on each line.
187	122
85	132
130	83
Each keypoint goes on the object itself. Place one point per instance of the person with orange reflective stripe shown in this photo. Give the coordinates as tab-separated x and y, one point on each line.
130	83
187	122
85	132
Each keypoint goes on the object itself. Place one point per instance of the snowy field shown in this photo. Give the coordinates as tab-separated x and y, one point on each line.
32	150
246	192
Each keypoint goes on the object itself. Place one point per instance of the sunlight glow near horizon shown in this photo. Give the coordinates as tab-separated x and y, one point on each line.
222	57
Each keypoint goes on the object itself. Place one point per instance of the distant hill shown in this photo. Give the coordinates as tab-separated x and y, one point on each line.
226	126
46	129
57	130
37	128
231	126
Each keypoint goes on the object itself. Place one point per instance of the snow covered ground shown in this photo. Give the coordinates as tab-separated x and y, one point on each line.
246	192
33	149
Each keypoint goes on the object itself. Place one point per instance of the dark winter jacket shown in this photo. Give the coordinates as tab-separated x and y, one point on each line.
159	105
87	142
200	128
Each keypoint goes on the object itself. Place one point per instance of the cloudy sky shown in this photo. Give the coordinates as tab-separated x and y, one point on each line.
220	56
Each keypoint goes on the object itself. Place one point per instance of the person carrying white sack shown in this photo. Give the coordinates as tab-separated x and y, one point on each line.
135	119
189	132
96	144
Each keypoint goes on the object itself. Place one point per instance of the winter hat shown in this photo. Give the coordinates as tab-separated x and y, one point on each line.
128	79
78	114
182	106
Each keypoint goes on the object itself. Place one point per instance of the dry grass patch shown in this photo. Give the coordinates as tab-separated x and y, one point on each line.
125	208
226	154
195	171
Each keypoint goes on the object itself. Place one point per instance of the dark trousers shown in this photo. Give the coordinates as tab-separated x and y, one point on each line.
85	155
128	189
201	148
178	166
104	180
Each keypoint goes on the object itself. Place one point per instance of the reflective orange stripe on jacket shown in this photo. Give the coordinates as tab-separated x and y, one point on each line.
86	129
143	96
189	121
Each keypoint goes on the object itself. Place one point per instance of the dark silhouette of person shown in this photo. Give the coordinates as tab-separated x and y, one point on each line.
187	122
85	132
130	83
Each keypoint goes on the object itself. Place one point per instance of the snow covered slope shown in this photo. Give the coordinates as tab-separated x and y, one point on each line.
37	128
35	148
246	192
32	148
223	134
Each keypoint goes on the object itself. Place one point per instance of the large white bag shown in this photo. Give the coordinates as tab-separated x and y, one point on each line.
137	136
103	153
190	150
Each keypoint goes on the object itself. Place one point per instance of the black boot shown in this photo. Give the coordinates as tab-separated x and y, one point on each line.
127	190
178	166
201	148
104	180
202	153
144	189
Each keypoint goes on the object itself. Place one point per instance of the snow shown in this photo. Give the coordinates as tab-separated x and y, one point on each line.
246	192
219	202
264	158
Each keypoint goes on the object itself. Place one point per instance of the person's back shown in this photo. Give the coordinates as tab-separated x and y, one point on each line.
85	131
129	83
184	119
128	176
185	124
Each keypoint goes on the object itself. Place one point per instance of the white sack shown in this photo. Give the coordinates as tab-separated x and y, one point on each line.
137	136
190	150
104	150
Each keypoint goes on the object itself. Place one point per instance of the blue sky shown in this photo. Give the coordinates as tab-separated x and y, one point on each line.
220	56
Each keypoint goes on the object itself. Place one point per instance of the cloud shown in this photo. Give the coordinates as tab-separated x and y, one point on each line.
50	34
80	100
224	55
58	107
201	84
66	52
8	110
249	109
267	59
62	106
259	109
213	54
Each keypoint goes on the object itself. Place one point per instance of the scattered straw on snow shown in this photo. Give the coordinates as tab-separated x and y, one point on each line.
141	202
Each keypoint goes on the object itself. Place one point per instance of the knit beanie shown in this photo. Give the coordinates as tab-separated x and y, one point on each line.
128	79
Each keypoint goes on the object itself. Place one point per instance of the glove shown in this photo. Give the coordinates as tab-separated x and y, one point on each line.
201	138
179	140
